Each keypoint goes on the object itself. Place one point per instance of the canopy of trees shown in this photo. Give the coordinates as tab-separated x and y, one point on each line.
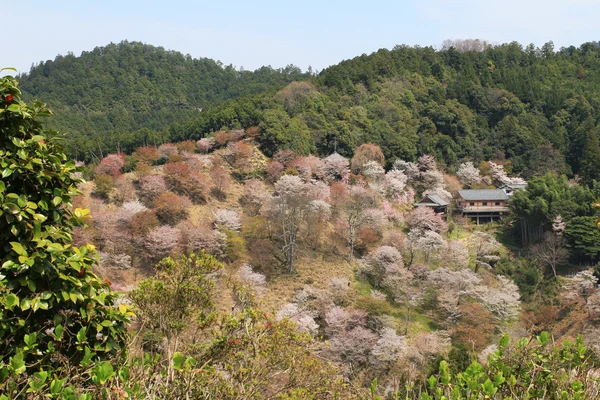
121	96
538	108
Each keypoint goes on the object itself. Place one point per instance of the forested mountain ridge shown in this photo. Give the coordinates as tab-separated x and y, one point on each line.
128	94
535	107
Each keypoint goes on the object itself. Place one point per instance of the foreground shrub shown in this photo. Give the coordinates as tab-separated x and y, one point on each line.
56	317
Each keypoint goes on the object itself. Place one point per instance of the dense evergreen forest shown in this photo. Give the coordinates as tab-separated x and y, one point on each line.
124	95
536	107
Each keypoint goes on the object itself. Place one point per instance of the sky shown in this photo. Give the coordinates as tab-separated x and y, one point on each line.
251	34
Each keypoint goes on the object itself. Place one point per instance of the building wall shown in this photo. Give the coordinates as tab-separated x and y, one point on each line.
490	203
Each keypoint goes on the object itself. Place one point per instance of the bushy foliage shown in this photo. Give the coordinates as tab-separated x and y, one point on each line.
56	316
528	368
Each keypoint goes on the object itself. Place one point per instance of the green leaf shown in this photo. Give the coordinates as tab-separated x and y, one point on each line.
81	335
30	340
56	201
11	300
543	338
18	248
12	208
56	386
25	304
17	364
103	372
178	361
58	332
38	382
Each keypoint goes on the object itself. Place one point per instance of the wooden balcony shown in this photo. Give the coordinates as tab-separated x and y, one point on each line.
482	209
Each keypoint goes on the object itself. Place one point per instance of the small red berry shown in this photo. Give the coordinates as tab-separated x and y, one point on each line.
9	97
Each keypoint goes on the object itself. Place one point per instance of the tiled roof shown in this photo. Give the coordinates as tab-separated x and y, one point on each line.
335	156
483	194
437	199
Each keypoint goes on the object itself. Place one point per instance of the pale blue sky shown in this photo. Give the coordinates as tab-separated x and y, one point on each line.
255	33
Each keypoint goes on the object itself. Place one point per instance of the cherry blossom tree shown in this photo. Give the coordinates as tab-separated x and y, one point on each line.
255	195
202	238
150	187
382	264
339	288
304	321
551	251
501	178
429	243
456	255
129	209
238	155
353	346
393	185
355	206
485	247
585	285
115	261
180	178
388	348
289	209
410	169
147	154
468	174
427	163
204	145
111	165
372	170
166	151
284	157
274	169
502	299
228	219
335	168
160	242
221	181
423	219
171	208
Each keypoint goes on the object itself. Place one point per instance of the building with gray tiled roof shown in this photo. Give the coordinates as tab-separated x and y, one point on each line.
482	205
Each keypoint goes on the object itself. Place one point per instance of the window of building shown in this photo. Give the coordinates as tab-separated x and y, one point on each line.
471	203
485	203
497	203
